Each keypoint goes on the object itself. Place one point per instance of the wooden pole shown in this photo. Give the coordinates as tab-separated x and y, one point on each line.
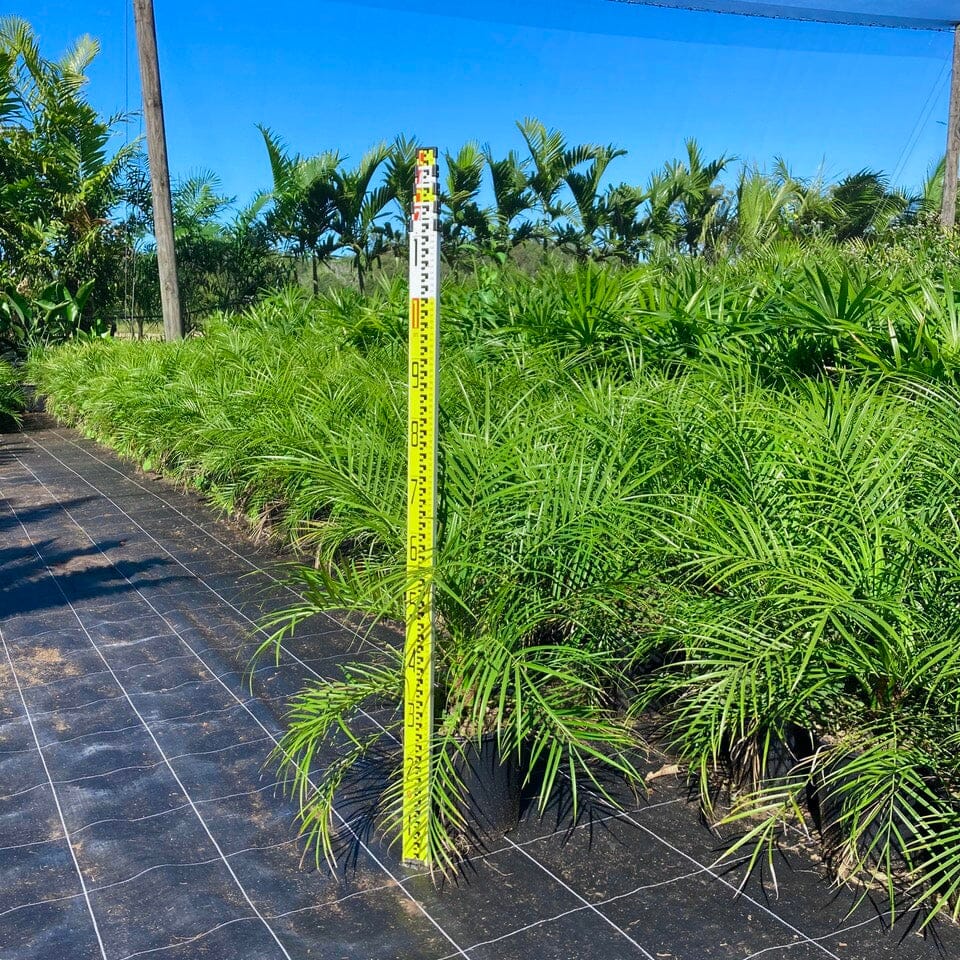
948	211
159	171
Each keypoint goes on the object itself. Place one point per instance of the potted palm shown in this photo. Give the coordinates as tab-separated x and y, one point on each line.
538	572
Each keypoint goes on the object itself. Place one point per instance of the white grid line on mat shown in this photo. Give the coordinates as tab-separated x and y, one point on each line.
63	823
165	759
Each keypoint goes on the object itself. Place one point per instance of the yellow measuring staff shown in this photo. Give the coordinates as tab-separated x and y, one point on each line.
423	374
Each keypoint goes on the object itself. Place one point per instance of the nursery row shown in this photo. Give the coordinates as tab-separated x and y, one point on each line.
715	500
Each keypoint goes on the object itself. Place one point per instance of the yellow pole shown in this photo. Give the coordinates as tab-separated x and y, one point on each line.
423	374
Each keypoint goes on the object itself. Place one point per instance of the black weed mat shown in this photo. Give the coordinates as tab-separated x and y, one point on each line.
137	817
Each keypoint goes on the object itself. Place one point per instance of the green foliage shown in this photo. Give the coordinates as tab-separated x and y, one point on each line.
71	210
720	490
11	397
58	178
52	315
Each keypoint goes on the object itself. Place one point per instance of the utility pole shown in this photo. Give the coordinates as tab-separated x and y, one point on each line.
159	171
948	211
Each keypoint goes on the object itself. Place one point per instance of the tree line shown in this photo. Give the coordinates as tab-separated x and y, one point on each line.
76	222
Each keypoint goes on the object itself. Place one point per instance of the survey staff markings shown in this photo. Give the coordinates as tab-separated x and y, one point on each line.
423	373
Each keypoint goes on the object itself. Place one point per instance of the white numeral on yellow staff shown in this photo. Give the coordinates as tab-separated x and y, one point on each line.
423	375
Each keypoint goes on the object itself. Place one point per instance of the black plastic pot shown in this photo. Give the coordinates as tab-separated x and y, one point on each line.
491	796
750	769
798	744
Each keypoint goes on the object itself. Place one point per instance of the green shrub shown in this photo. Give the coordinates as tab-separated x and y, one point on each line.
814	585
11	397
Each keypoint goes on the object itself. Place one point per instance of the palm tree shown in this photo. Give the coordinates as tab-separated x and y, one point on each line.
815	208
302	210
932	190
358	209
625	234
927	203
512	200
224	259
401	168
763	207
552	160
589	215
198	204
865	205
464	219
699	205
658	227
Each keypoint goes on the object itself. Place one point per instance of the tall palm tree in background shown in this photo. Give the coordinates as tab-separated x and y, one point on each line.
699	204
815	208
552	159
513	199
198	203
465	219
658	227
400	169
581	231
626	235
928	201
301	211
359	208
225	254
865	204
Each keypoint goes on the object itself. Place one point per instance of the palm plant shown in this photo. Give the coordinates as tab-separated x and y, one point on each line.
816	587
531	589
588	315
552	159
226	256
864	205
358	209
302	207
624	234
927	203
464	220
847	317
583	232
513	199
764	207
699	198
751	529
249	264
400	167
197	210
658	229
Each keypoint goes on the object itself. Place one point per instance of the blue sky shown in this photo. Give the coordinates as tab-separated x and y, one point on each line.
346	74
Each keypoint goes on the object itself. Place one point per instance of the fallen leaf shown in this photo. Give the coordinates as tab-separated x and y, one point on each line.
667	770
